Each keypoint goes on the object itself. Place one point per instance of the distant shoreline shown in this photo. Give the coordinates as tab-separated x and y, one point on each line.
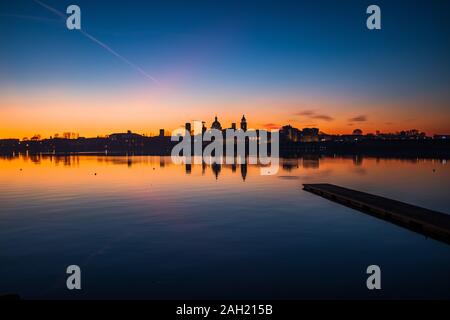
428	149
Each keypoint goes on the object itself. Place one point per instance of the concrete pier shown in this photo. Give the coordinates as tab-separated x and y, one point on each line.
430	223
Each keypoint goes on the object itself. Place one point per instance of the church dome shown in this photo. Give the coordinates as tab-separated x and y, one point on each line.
216	124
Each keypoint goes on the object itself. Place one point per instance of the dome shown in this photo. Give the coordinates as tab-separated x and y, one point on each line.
216	124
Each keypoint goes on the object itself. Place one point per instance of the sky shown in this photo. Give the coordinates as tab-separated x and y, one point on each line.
146	65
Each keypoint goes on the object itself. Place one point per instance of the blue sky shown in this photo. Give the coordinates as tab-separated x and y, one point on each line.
209	50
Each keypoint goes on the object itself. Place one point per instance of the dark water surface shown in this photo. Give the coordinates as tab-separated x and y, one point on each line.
142	227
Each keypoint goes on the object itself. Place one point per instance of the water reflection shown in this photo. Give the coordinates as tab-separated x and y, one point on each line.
174	230
307	161
73	160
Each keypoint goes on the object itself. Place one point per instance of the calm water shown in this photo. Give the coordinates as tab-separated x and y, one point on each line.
142	227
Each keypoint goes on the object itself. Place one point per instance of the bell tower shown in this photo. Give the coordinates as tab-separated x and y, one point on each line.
243	123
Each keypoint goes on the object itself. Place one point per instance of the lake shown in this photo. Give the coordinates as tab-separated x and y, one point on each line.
142	227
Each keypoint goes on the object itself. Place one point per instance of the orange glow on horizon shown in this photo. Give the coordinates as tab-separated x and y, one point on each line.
99	114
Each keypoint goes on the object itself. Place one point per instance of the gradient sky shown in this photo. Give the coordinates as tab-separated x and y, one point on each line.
305	63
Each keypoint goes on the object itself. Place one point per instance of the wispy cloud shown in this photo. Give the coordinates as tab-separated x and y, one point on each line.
28	17
305	113
49	8
360	118
134	66
322	117
100	43
311	114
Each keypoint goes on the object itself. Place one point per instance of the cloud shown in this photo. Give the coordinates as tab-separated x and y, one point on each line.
313	115
322	117
100	43
271	126
305	113
29	17
360	118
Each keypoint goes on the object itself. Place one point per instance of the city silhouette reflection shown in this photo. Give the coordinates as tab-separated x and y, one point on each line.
247	167
244	171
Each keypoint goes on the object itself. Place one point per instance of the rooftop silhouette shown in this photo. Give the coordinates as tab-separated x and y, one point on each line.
293	141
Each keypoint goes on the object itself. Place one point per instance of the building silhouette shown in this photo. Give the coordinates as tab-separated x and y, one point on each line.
244	123
216	124
188	128
292	142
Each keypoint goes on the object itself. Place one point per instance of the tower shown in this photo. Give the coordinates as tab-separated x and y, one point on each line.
203	128
188	127
243	123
